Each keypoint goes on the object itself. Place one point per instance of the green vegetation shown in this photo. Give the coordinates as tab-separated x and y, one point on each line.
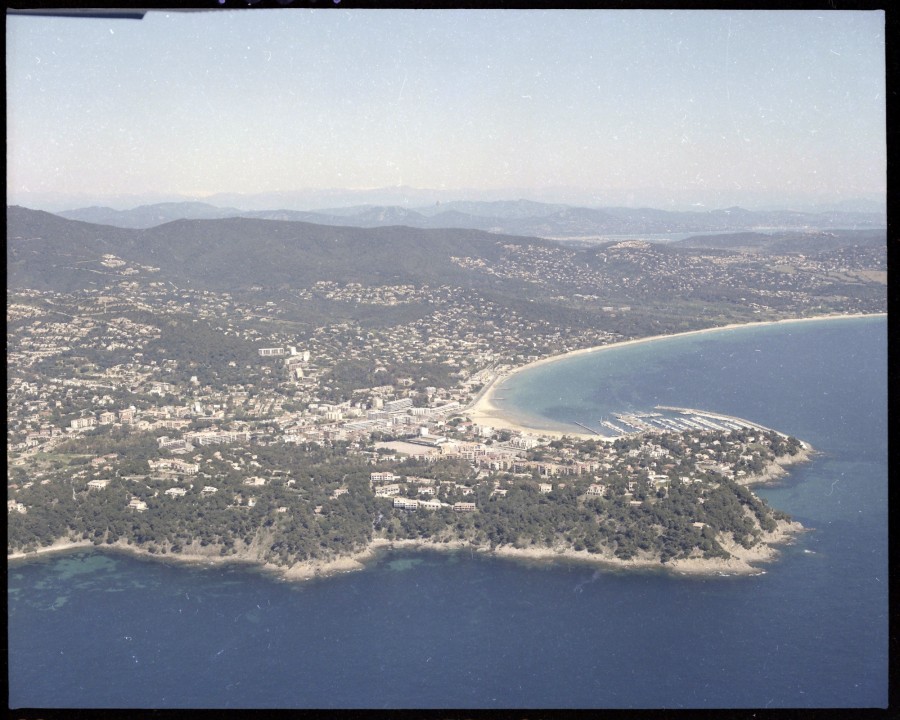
295	513
155	336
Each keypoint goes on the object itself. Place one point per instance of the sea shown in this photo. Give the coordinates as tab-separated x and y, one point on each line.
425	629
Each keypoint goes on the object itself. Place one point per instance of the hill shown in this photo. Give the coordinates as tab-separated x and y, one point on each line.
787	242
146	216
45	251
519	217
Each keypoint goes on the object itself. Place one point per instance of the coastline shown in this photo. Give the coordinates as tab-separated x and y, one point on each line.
485	412
210	556
743	561
57	546
775	469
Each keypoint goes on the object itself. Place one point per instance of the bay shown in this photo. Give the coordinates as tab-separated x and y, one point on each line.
429	629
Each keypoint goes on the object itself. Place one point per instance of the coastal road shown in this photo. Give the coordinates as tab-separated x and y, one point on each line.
495	376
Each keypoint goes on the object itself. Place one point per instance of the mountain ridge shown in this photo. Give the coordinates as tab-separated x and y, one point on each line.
519	217
45	250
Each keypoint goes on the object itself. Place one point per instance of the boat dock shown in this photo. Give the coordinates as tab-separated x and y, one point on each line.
589	429
636	423
615	428
715	421
633	421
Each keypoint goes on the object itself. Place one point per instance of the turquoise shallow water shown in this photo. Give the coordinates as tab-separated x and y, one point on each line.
417	630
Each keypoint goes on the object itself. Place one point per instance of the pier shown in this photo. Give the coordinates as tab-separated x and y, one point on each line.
582	425
615	428
634	422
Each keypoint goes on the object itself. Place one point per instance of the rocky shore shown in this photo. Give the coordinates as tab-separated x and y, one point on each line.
775	469
743	561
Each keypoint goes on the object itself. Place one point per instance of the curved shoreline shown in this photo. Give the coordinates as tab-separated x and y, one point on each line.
211	557
742	562
57	546
484	412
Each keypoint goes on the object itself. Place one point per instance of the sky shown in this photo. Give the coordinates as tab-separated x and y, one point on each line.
673	109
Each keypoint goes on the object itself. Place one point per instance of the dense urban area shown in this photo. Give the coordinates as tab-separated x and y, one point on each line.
289	421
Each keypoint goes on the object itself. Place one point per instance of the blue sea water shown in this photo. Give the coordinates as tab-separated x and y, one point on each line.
426	629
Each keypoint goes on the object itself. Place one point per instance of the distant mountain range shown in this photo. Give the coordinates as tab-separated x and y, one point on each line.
520	217
809	242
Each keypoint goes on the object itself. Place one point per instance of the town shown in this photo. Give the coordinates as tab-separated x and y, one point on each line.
171	417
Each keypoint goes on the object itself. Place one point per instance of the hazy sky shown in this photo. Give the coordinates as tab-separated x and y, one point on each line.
634	106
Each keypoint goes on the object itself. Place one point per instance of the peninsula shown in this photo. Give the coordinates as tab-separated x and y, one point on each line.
300	401
658	500
673	494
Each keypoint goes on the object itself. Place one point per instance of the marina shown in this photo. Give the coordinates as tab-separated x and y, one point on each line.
614	428
670	419
711	420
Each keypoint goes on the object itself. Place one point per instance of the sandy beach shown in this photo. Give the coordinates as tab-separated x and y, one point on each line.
485	412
